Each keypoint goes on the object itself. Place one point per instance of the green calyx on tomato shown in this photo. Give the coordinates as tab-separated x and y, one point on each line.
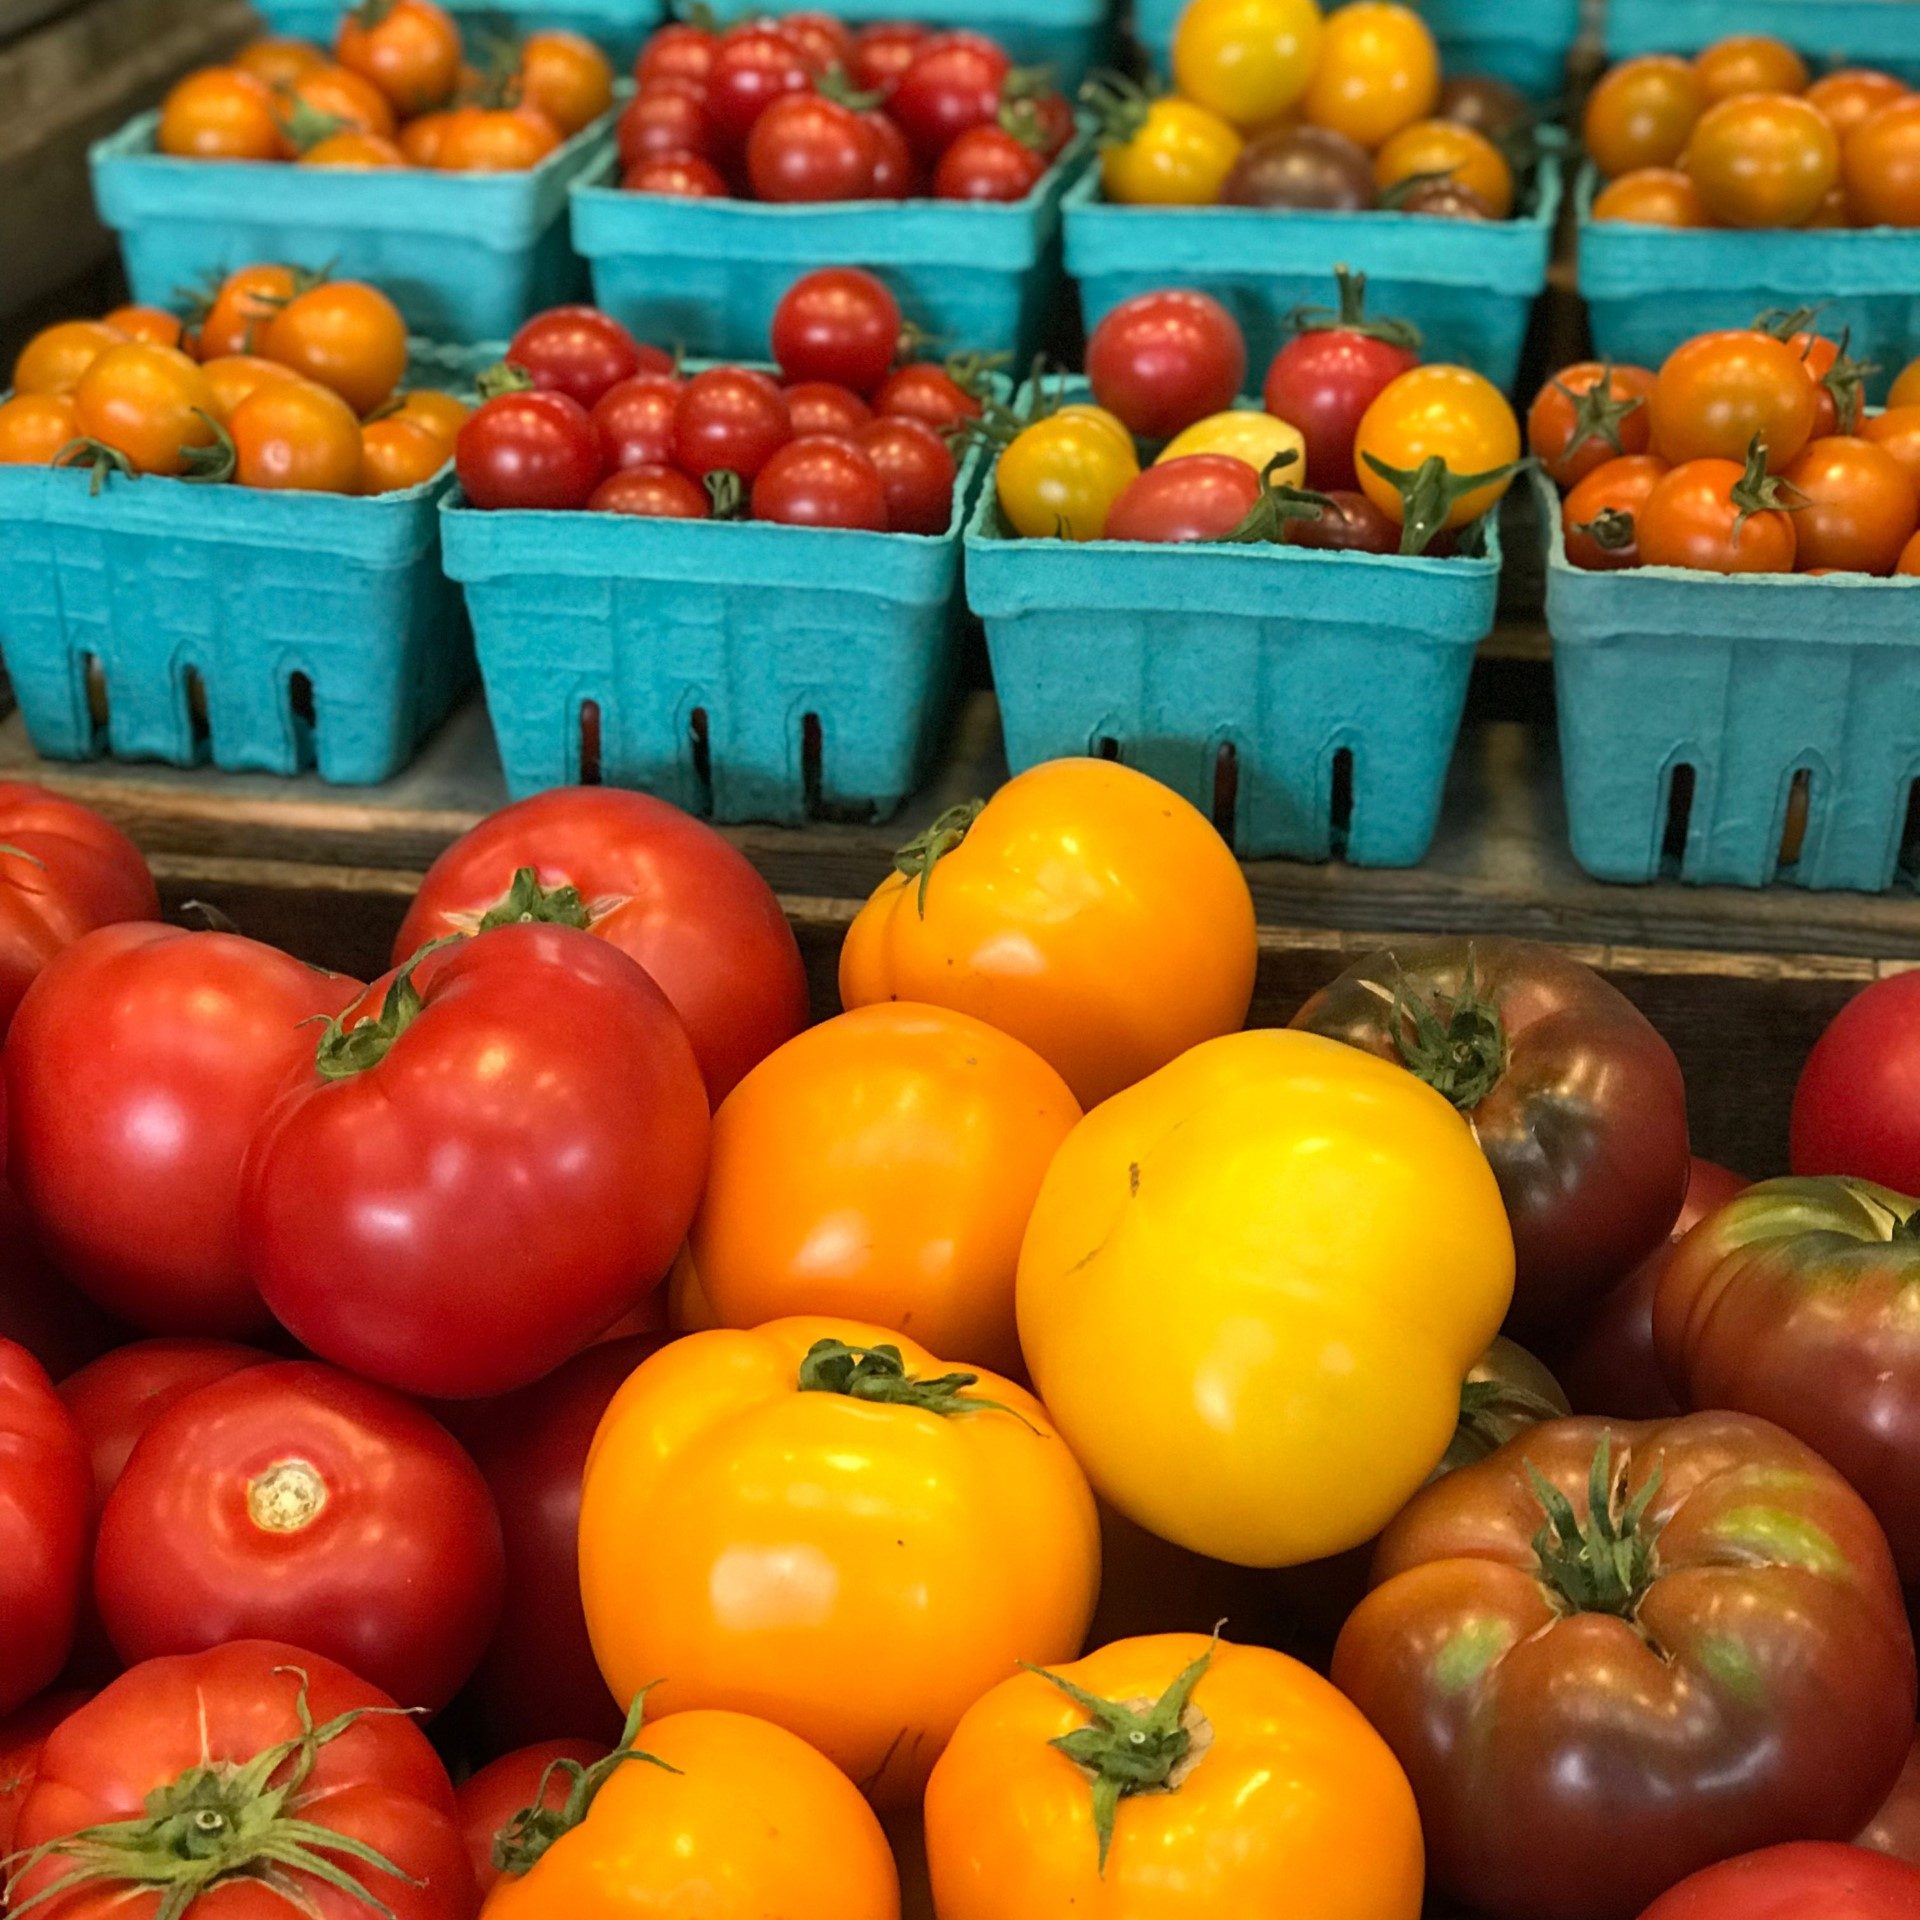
1845	379
1507	1392
726	494
1758	491
1127	1749
1279	505
345	1051
1458	1047
98	458
1606	1565
518	1845
918	858
1351	315
1119	107
1429	493
1597	413
879	1375
504	376
215	464
1612	530
528	903
222	1820
305	126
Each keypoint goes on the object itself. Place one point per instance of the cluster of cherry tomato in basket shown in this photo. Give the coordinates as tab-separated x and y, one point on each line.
802	107
1742	135
397	90
1357	446
582	415
282	380
1276	107
1749	451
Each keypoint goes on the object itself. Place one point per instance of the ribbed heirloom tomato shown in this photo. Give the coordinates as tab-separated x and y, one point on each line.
819	1522
45	1501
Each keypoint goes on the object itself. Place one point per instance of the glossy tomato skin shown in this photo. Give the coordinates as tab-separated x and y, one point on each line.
1203	496
928	393
665	122
839	324
45	1498
1323	381
154	1729
1351	524
543	1107
1585	1126
503	1789
1692	520
531	450
1568	449
951	85
1759	1689
1600	517
821	481
1718	390
651	493
1856	1109
658	884
137	1073
634	421
1854	507
1895	1829
753	66
293	1502
916	470
532	1449
1161	361
581	352
988	163
835	1563
68	872
729	419
1796	1882
808	148
22	1736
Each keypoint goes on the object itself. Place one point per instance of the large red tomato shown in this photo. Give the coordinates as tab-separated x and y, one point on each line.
1857	1108
495	1154
656	882
257	1776
21	1739
1806	1881
532	1448
44	1504
55	1322
63	871
495	1797
137	1072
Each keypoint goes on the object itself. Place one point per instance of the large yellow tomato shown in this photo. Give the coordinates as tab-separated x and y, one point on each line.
882	1167
736	1821
819	1523
1246	1785
1249	61
1252	1287
1248	435
1085	909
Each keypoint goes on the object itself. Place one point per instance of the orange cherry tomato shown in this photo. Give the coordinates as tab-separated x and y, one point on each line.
1719	390
497	140
1897	431
345	335
409	49
55	358
1705	515
1642	113
397	453
1600	520
1379	71
1910	557
245	303
34	427
440	413
1853	94
1451	414
1652	197
1906	387
220	113
1836	384
1246	1784
292	436
335	92
354	150
1013	914
819	1518
1586	416
1880	166
151	405
1763	160
153	325
566	77
881	1167
1854	507
279	63
739	1821
421	140
1749	63
1447	147
233	376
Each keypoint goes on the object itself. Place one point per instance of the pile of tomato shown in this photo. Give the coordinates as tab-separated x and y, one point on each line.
1750	451
279	379
1742	135
803	107
584	416
1390	455
1276	106
397	90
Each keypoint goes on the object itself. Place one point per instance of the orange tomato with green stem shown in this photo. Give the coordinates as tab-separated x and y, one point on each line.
1586	416
1716	516
1437	448
409	49
144	409
1600	518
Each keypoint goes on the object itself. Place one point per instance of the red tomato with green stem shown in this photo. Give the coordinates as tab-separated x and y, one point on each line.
840	324
649	879
917	472
494	1154
1856	1109
1588	416
821	482
1796	1882
529	450
581	352
1600	518
953	84
1202	496
1160	361
137	1073
322	1793
495	1797
46	1500
731	420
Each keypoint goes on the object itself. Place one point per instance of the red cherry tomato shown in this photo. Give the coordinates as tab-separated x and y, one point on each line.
137	1072
916	469
685	176
528	450
729	419
655	882
988	163
1200	496
499	1793
753	66
1808	1880
1600	518
529	1090
821	482
46	1502
581	352
826	41
896	173
1588	415
634	421
840	324
666	122
680	51
820	406
808	148
952	84
1323	381
882	51
651	493
927	393
1161	361
1856	1110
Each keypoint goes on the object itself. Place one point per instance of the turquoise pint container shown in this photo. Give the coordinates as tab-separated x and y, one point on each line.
620	26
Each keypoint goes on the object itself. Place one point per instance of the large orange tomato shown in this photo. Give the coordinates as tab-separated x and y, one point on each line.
882	1167
708	1814
822	1524
1171	1777
1085	909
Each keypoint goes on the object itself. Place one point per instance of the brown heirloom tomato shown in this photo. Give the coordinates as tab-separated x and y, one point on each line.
1795	1304
1617	1652
1576	1101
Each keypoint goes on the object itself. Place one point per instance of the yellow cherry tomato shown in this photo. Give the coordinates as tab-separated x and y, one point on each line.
1251	1289
1085	909
1379	71
151	406
1060	477
55	358
35	427
1249	61
1109	423
1247	434
1445	413
1446	147
1171	154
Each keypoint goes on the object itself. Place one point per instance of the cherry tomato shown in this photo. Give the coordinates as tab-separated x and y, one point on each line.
502	140
293	436
535	450
680	50
1586	416
916	469
1849	95
988	163
1713	516
823	37
1897	431
347	98
442	414
1600	519
665	122
806	147
928	393
55	358
242	309
1350	523
730	419
952	84
220	113
1906	387
1059	478
1161	361
1253	438
882	51
819	406
409	49
1167	153
1719	390
151	325
1444	413
1652	197
278	63
1854	507
839	324
1763	160
1455	152
150	405
1379	71
1199	496
566	77
651	493
1486	103
896	173
581	352
34	427
1749	63
634	421
1249	61
752	67
491	1800
821	482
45	1501
1642	114
354	150
685	176
1880	166
399	453
345	335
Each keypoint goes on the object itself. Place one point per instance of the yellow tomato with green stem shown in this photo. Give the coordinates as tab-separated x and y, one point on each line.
1167	152
1438	447
1252	1288
1249	61
1059	477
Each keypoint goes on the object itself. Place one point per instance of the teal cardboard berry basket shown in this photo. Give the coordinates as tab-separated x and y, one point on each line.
620	26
